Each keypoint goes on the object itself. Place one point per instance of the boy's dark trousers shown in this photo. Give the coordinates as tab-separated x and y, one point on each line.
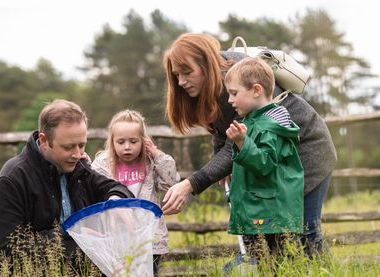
260	245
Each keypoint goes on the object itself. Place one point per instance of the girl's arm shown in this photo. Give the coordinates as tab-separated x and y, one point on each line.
164	167
165	172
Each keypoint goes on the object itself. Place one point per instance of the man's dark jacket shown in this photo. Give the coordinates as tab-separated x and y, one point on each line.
30	191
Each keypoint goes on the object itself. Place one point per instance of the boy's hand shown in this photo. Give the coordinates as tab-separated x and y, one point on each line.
236	132
222	182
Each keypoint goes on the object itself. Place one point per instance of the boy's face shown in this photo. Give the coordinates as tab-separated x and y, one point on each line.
243	100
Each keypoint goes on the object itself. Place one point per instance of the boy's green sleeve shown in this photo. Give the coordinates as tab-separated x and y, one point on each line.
260	157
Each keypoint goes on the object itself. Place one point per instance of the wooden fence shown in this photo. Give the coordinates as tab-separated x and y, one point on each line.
159	132
165	132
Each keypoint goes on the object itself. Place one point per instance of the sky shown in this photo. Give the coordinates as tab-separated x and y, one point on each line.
61	31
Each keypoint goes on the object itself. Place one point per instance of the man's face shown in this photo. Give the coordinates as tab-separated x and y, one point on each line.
66	147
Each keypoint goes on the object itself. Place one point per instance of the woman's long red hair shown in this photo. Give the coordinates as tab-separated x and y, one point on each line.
182	110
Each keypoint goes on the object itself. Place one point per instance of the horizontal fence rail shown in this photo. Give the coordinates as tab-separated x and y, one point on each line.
160	131
351	119
357	172
337	173
204	228
163	131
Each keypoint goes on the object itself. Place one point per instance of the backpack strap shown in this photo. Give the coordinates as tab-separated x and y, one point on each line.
236	39
279	98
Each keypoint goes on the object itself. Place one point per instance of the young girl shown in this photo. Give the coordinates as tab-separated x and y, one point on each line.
133	159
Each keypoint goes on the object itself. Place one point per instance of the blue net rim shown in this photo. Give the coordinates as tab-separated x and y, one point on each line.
110	204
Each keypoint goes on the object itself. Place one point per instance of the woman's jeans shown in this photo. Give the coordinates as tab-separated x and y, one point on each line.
312	238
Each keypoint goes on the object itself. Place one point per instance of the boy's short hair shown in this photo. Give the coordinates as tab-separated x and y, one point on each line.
250	71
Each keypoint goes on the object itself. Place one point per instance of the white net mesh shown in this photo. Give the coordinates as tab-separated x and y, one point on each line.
118	239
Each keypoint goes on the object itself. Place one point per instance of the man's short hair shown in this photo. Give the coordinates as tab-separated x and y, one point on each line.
59	111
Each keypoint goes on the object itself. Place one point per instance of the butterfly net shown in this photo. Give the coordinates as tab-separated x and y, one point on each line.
117	235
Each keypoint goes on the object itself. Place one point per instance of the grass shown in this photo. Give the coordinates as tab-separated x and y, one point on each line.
368	249
342	227
346	260
293	264
34	256
365	201
359	202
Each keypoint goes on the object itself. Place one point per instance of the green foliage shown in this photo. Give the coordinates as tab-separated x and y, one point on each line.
294	263
313	38
357	146
17	87
28	120
32	254
362	201
260	32
126	68
347	260
20	89
200	151
349	252
335	68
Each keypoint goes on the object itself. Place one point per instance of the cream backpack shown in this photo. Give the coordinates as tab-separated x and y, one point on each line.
289	74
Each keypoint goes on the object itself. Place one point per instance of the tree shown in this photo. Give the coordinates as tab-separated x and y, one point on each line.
126	68
17	88
260	32
336	71
28	119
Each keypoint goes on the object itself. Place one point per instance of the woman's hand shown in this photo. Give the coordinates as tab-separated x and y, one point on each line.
176	197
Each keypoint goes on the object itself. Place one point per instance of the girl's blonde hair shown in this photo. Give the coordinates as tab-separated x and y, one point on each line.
182	110
124	116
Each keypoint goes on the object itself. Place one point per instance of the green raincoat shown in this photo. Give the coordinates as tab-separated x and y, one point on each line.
267	179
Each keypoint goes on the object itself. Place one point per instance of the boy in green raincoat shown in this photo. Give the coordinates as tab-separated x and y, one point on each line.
267	181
